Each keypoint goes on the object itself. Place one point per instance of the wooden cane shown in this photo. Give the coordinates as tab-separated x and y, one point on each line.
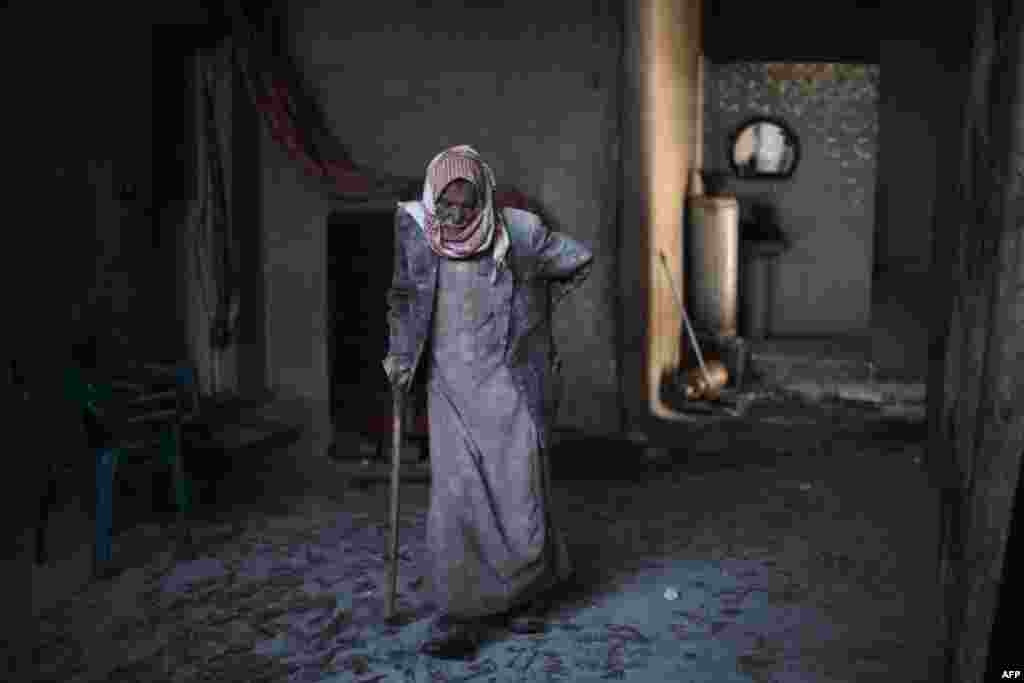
396	461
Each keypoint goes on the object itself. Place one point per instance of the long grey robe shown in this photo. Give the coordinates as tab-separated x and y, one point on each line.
491	372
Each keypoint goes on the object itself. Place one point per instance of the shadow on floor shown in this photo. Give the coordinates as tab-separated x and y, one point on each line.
794	549
620	460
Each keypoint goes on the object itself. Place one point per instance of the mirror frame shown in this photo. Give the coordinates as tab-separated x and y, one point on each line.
791	136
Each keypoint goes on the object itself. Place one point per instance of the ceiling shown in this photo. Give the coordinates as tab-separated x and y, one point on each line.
793	30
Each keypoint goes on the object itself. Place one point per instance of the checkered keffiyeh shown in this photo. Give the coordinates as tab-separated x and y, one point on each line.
487	228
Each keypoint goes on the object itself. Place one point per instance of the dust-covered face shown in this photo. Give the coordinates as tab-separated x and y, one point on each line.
457	205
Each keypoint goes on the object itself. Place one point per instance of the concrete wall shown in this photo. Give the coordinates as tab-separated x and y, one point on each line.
910	110
919	110
533	88
295	271
827	208
91	91
294	257
916	106
83	83
108	146
922	91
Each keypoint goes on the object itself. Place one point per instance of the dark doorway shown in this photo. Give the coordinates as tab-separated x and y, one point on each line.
359	263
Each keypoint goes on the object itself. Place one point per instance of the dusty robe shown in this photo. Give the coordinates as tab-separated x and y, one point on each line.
485	350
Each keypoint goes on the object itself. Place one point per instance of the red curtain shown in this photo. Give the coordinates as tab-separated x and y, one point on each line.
341	174
275	104
274	87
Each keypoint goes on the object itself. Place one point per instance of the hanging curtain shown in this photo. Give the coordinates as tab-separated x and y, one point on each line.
210	253
295	122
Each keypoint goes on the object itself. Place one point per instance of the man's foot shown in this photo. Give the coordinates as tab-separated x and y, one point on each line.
532	618
527	626
452	639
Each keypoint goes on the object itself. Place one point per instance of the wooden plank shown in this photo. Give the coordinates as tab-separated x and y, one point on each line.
121	385
157	396
155	416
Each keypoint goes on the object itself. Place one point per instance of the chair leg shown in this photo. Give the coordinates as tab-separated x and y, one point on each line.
106	461
182	494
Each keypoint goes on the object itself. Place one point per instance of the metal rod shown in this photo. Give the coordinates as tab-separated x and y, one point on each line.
396	461
686	319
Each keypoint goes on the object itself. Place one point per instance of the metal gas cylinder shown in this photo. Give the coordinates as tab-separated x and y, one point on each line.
714	263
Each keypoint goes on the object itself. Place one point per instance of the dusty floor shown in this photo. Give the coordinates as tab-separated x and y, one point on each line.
797	544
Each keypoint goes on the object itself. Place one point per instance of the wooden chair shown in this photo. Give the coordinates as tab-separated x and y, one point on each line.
141	410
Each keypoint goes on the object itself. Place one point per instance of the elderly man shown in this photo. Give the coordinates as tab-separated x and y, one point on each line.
470	307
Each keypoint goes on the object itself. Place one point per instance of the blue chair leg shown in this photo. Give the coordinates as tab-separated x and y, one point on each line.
106	461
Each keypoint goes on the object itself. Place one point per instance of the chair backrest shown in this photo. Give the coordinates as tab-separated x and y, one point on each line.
185	377
148	393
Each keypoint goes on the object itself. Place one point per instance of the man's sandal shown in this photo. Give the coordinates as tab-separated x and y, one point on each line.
452	639
526	625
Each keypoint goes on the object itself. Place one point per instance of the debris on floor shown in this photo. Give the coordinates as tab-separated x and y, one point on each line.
772	573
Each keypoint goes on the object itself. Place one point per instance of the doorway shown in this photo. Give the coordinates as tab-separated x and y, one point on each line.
360	253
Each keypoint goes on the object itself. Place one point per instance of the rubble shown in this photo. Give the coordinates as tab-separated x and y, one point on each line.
297	597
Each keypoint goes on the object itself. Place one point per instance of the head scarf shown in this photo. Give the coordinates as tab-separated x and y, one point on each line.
485	229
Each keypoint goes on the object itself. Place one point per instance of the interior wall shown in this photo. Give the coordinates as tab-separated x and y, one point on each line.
295	268
906	184
919	112
91	85
247	203
114	148
83	88
919	118
914	110
634	235
293	223
534	87
822	282
92	92
662	120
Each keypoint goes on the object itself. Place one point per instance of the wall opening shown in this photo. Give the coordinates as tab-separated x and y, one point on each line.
360	252
822	280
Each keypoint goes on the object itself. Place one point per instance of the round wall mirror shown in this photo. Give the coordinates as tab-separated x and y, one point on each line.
764	147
